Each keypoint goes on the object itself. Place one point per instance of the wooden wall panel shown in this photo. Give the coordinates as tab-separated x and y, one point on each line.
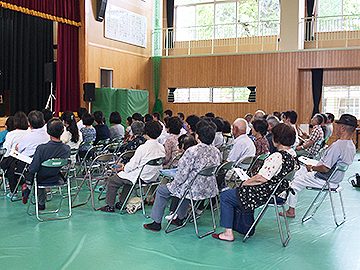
283	79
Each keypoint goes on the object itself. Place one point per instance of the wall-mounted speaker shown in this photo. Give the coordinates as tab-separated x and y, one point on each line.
100	10
89	92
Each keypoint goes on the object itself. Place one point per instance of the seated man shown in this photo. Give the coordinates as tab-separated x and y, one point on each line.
46	176
129	173
135	140
313	144
243	145
195	158
27	146
341	151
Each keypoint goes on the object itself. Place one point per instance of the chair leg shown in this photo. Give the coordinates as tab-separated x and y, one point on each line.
15	192
195	220
314	204
122	210
284	239
338	223
256	221
167	229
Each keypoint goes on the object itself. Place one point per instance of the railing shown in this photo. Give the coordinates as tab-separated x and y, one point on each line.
332	31
220	38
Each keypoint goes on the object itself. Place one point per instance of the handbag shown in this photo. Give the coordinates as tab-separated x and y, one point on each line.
243	219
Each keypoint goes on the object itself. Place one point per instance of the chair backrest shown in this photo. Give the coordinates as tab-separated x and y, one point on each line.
112	147
339	167
55	163
155	162
245	163
127	155
223	168
175	159
208	171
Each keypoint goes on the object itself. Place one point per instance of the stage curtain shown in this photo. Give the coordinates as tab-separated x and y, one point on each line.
26	44
62	11
317	84
67	69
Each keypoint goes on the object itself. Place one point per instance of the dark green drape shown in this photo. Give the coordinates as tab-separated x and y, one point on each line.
26	44
158	106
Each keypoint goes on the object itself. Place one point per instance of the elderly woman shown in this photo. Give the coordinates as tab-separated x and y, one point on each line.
195	158
254	192
259	130
173	126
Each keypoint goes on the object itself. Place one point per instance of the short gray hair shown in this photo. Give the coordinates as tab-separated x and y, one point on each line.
272	120
137	128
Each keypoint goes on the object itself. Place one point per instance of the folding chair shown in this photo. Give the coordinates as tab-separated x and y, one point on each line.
21	178
141	184
2	172
274	201
323	192
53	163
98	170
206	172
225	150
243	164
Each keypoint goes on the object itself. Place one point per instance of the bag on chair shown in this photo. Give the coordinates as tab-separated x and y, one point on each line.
243	221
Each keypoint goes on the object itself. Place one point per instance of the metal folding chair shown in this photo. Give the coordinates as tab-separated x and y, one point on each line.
53	163
243	164
21	178
225	150
98	170
285	236
323	192
206	172
141	184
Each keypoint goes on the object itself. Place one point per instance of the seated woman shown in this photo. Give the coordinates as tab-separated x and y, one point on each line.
202	155
117	131
259	130
9	126
88	133
129	173
255	191
71	135
173	127
102	130
136	139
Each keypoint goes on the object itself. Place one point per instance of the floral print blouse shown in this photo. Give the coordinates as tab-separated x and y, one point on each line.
262	146
194	160
171	147
275	167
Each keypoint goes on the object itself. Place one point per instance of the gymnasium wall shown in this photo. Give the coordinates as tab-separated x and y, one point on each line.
283	79
131	64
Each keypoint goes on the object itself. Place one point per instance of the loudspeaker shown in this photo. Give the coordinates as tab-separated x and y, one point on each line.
50	72
100	10
171	96
89	92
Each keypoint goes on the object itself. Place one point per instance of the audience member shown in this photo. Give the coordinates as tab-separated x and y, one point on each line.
47	115
243	145
128	174
210	115
168	113
219	138
191	122
116	129
313	144
341	151
148	117
80	113
255	191
47	176
88	133
329	126
102	130
290	118
9	126
226	131
137	117
272	122
135	140
71	135
174	126
129	121
248	117
259	114
277	114
193	160
259	131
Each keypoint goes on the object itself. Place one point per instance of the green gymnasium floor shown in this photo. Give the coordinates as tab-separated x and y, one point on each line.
95	240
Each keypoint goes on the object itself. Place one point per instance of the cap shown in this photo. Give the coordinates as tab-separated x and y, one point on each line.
347	119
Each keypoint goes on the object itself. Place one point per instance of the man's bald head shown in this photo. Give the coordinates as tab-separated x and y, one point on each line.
240	127
259	114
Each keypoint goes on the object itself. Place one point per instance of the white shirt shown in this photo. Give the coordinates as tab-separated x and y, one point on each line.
163	136
12	139
218	140
297	140
151	149
66	139
80	124
243	147
183	131
31	140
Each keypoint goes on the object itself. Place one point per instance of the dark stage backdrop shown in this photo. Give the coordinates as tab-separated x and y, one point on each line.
26	44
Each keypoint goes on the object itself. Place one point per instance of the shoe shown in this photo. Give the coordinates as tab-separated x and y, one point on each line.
170	216
25	191
41	207
155	227
217	236
107	208
118	205
178	222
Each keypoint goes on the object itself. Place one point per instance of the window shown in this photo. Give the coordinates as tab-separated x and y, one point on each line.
106	77
341	99
338	15
208	19
212	95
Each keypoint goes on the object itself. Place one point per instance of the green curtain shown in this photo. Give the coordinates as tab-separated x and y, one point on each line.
158	106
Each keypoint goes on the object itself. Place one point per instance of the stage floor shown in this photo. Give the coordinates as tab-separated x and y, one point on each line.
96	240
